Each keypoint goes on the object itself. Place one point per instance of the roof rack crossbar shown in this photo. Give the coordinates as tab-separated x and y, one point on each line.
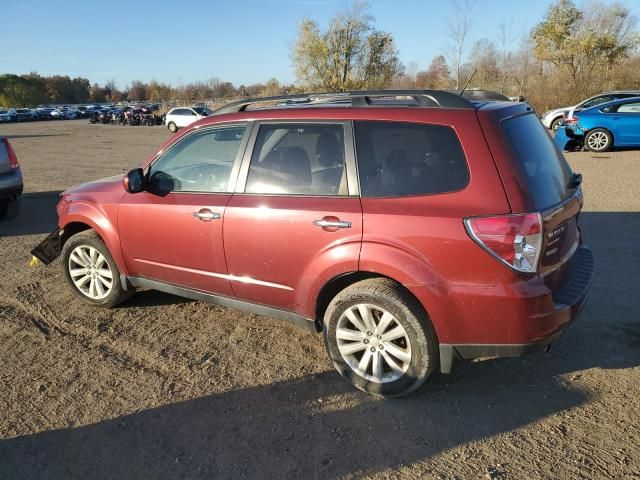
364	98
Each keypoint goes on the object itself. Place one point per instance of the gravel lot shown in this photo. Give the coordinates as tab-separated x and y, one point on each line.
163	387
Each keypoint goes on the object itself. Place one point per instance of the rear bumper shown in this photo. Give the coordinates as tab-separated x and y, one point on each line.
11	184
546	120
550	316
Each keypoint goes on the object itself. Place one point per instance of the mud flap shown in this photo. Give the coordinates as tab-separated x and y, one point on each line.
448	355
49	249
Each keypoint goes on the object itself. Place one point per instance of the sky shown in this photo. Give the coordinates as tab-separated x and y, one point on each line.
243	42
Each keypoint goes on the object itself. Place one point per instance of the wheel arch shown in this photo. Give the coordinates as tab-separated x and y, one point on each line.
338	283
71	229
85	217
554	119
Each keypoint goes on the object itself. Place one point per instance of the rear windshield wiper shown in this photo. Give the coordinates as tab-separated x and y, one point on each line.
575	181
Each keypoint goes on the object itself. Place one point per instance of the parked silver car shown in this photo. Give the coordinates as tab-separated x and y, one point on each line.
552	118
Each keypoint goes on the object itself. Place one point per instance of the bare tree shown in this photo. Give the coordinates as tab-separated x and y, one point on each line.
505	40
524	61
458	33
411	72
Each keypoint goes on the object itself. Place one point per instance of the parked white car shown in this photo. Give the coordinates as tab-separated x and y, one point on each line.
182	116
552	118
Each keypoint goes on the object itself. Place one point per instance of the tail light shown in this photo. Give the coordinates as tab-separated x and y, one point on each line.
570	120
515	240
13	160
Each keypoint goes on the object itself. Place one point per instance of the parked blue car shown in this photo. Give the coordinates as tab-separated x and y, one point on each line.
600	128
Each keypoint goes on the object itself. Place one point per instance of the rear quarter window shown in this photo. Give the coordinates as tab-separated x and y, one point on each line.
397	159
544	169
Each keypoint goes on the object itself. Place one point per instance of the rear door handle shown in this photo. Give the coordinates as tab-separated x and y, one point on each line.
206	215
329	222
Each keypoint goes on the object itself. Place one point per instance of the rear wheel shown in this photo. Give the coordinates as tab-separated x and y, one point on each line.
598	140
91	271
172	127
9	208
379	338
555	124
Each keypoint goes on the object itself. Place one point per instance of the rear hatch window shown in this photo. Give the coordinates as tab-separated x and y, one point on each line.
544	169
548	178
5	165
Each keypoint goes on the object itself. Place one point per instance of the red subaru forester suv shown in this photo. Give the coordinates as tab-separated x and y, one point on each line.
411	227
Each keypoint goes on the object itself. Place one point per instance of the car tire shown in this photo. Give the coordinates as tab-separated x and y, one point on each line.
86	251
598	140
555	124
173	128
9	209
401	344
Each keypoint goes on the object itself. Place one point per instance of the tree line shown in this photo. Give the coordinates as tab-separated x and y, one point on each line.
571	53
33	89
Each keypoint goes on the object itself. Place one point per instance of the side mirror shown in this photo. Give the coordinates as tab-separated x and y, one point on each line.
134	181
161	184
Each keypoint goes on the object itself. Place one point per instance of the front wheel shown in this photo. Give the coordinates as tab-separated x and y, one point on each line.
91	271
172	127
379	338
598	140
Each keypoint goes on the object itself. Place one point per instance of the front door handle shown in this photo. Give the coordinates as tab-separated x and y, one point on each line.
331	223
206	215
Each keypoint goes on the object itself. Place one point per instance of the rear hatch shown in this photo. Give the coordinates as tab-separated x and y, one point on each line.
538	178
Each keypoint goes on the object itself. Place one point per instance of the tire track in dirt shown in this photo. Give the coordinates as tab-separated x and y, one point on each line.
30	298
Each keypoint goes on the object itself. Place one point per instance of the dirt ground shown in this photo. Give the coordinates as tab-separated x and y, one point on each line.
163	387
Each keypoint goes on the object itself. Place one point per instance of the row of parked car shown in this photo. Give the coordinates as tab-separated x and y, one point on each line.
64	112
599	123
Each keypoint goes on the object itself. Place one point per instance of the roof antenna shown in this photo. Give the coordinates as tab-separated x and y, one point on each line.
468	81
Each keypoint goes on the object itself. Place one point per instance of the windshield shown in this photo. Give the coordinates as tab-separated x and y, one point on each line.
202	111
545	169
597	101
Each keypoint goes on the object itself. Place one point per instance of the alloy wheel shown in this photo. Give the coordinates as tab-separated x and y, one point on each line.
598	140
373	343
90	272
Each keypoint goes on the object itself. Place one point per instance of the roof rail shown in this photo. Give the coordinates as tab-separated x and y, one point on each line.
364	98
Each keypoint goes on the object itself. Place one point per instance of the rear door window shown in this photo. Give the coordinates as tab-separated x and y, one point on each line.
398	159
298	159
544	168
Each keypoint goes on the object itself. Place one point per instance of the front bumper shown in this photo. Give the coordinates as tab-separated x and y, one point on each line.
49	249
567	305
546	120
